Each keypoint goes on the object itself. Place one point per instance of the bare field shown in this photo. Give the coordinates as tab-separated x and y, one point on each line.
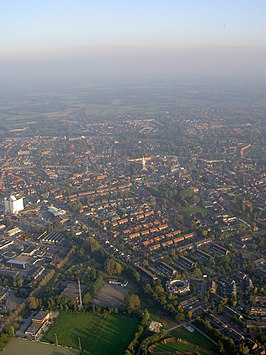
22	346
111	296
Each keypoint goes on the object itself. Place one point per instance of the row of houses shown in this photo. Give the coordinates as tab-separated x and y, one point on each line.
38	323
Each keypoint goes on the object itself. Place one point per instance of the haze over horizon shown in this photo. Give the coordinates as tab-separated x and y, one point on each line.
76	42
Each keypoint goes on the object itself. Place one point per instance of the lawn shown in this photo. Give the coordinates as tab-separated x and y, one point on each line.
99	334
195	209
194	338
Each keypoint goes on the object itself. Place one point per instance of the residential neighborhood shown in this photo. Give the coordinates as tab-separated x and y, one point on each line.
183	224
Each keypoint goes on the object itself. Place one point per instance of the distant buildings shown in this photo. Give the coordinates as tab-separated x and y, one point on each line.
13	204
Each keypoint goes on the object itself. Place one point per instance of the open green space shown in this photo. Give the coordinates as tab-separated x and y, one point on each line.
194	338
99	334
195	209
172	347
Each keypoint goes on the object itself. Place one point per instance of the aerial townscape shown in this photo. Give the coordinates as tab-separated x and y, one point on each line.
140	227
132	177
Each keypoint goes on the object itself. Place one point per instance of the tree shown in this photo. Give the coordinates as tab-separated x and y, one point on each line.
145	263
262	290
197	272
20	282
10	331
241	227
132	302
179	317
220	308
225	300
179	218
146	316
81	252
220	347
136	276
33	302
113	267
244	349
190	314
93	244
159	290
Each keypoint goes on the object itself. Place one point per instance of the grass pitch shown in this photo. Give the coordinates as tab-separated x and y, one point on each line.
99	334
194	338
172	347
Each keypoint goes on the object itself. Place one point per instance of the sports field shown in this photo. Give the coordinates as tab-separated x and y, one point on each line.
172	347
99	334
194	338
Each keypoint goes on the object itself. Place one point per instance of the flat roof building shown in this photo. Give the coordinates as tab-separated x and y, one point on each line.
19	262
13	204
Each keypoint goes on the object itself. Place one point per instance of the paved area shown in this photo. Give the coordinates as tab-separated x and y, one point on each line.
13	301
111	296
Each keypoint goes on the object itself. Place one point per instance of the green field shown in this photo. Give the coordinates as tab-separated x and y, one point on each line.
194	338
99	334
171	347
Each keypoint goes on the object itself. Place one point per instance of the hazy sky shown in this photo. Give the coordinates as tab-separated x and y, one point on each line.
56	39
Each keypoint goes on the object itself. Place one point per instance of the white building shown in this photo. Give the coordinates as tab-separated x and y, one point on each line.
13	204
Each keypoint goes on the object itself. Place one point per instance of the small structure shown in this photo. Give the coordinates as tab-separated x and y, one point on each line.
118	282
154	327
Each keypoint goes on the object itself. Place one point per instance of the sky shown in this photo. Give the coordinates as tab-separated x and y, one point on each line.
96	39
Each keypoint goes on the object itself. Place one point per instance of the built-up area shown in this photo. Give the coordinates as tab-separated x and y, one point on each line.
184	209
